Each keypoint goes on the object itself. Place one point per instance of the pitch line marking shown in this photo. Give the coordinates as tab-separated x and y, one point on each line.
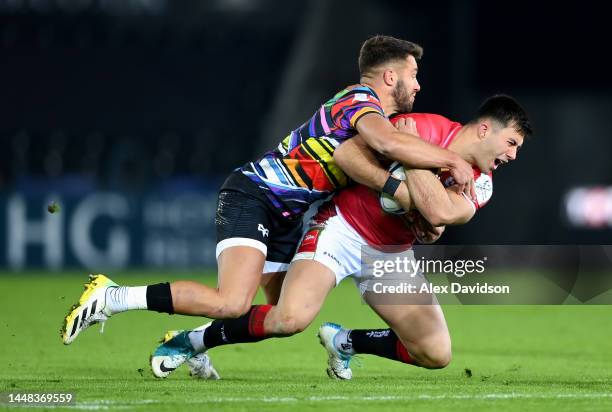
110	405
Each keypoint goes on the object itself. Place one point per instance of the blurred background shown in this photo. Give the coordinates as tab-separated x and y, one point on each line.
130	113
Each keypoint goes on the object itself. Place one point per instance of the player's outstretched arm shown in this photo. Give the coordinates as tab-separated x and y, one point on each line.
413	152
438	205
358	161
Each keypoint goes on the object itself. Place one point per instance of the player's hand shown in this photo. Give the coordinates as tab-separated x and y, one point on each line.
407	125
464	176
423	230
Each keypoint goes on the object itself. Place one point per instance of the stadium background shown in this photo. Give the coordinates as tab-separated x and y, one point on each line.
130	113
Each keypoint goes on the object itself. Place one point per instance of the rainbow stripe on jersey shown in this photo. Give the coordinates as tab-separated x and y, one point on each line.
301	170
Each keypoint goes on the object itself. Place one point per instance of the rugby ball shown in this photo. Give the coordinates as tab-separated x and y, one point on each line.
388	203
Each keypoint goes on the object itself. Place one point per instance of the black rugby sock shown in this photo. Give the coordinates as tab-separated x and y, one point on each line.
159	298
380	342
247	328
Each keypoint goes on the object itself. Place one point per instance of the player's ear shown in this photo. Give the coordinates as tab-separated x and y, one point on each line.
483	129
389	77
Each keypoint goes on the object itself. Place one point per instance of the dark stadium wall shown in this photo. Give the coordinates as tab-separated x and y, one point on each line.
167	97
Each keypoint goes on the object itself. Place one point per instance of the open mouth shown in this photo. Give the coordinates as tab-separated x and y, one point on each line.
498	163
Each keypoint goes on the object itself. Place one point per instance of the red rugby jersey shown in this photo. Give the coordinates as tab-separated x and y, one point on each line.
360	206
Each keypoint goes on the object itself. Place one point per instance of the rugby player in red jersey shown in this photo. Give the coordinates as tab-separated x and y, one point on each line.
331	248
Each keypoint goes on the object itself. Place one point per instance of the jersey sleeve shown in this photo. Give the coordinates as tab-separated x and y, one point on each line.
433	128
349	109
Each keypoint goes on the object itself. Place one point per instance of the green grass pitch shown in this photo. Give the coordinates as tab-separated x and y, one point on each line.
506	358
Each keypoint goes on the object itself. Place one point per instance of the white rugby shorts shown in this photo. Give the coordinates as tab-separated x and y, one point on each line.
335	244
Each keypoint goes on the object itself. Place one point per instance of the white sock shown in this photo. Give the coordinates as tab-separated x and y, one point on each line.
123	298
196	337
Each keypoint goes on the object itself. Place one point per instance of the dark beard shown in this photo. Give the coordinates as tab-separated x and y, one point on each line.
401	98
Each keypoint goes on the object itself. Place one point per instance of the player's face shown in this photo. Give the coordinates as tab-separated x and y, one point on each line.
407	86
500	146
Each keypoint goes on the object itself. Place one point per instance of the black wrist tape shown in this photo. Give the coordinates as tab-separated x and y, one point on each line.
391	185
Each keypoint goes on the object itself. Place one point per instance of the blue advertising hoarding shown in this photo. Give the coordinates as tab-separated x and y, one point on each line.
102	230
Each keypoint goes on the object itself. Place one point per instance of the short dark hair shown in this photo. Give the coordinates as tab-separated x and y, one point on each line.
505	110
381	49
